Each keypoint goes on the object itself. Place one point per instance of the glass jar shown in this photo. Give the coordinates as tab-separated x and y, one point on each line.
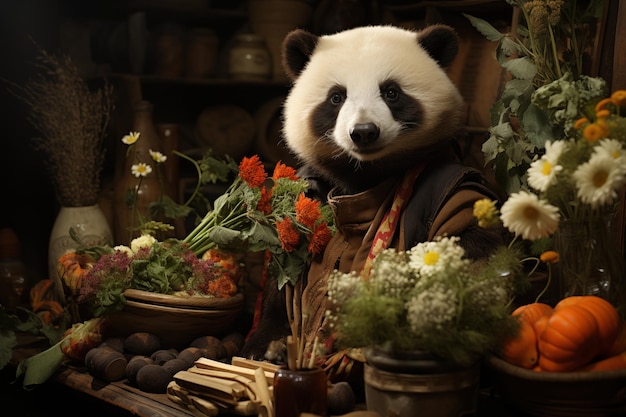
249	58
300	391
201	53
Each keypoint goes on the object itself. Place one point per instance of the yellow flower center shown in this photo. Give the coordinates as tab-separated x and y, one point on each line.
546	169
599	178
431	258
530	212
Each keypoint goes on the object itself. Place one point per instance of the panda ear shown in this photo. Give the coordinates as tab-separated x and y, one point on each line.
298	47
440	42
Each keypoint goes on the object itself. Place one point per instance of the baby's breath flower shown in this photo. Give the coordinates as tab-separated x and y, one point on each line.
391	275
524	214
434	308
157	156
131	138
598	179
141	170
143	241
486	212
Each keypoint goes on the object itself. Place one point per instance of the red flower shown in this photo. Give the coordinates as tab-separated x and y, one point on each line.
252	172
265	204
307	211
319	240
283	171
222	287
287	234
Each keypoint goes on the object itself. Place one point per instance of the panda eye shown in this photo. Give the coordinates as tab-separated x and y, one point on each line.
336	98
391	94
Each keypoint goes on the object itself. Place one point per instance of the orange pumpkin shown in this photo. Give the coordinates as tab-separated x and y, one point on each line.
533	311
606	316
569	339
521	350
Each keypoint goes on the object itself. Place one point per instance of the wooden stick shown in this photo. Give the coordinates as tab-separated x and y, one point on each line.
266	409
313	353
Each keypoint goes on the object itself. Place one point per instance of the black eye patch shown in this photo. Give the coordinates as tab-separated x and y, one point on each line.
325	114
403	107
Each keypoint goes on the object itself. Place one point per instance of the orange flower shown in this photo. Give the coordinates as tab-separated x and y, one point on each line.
222	287
594	132
602	103
265	202
287	234
602	114
283	171
549	256
252	172
619	98
580	122
319	240
307	211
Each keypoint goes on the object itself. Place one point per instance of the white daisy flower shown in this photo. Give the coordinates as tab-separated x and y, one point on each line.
141	170
524	214
143	241
542	172
131	138
610	147
430	258
157	156
598	179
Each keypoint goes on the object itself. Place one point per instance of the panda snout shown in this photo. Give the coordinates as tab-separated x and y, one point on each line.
364	133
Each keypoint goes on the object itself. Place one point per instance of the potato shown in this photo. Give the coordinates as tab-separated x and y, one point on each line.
163	355
190	355
106	363
142	343
233	343
115	343
211	346
175	365
154	379
134	365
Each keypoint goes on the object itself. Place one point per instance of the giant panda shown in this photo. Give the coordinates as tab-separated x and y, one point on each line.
366	106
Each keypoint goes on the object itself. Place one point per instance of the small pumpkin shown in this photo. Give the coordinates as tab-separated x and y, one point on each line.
521	350
569	339
532	312
72	267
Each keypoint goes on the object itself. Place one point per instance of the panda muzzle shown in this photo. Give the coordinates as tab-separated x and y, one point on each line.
363	134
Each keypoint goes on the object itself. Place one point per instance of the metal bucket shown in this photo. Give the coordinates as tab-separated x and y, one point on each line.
451	393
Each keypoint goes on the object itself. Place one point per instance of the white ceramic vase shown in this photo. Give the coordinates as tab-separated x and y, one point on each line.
89	224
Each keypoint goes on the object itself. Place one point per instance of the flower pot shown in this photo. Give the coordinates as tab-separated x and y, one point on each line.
417	384
300	391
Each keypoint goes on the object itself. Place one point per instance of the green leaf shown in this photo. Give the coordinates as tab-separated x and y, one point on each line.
7	343
484	27
40	367
522	68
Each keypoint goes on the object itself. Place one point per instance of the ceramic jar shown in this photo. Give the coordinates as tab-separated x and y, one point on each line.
249	58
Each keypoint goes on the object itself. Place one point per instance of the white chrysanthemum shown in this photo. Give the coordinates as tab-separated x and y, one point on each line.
157	156
434	308
122	248
598	180
430	258
391	274
131	138
524	214
612	148
143	241
141	170
542	172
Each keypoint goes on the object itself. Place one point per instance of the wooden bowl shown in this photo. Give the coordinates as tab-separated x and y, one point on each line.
176	320
560	394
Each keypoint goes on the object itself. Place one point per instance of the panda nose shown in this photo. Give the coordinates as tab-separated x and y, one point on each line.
364	133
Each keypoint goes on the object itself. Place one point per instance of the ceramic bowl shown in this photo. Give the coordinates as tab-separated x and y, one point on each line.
559	394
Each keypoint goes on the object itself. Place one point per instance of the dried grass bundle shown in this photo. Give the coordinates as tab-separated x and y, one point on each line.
72	120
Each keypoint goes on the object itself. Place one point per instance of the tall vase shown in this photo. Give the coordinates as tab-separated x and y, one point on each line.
590	262
90	226
416	384
133	195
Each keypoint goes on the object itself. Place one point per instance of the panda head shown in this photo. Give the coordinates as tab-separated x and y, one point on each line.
375	96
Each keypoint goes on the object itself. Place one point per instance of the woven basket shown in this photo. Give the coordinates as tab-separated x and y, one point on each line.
176	320
560	394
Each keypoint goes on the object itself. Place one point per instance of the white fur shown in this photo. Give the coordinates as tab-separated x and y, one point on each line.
359	59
